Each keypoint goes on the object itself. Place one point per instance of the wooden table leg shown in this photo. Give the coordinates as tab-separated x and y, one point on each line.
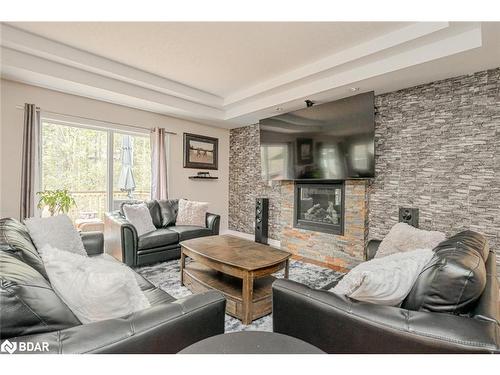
247	296
287	262
183	264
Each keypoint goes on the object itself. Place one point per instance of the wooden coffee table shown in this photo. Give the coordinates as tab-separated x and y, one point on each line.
240	269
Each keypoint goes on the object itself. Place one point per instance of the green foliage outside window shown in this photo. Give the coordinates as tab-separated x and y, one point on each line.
57	201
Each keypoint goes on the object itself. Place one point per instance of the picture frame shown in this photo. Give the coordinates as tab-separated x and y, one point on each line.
200	151
304	151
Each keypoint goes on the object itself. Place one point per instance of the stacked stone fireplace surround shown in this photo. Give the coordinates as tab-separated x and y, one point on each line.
437	148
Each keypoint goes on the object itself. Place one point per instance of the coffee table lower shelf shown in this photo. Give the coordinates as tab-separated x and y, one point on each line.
200	278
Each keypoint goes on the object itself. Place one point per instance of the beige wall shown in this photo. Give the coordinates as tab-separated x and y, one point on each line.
14	93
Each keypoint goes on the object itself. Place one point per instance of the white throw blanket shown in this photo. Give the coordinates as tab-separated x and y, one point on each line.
94	288
384	281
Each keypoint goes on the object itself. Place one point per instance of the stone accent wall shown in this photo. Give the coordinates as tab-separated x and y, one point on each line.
246	184
437	148
341	251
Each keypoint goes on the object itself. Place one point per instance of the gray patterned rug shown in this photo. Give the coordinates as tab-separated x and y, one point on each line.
165	276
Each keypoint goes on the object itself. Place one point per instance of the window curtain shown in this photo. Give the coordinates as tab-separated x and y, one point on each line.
30	160
158	164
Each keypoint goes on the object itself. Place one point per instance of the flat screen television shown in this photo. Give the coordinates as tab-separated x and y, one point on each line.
331	141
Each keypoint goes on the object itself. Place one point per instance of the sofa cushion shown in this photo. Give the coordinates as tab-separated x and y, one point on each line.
168	210
158	238
154	295
186	232
454	279
15	236
28	305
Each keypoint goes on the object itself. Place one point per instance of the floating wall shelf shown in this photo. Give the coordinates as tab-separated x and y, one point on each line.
203	178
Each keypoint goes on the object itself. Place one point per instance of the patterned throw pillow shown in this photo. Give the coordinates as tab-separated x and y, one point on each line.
192	213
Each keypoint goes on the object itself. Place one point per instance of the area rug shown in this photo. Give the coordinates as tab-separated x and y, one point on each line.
166	276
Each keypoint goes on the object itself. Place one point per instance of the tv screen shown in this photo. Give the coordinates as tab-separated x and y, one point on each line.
331	141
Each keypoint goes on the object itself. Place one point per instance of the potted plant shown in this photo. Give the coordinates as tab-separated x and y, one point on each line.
56	201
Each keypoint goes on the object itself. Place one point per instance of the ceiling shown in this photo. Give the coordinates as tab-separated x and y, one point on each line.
233	74
216	57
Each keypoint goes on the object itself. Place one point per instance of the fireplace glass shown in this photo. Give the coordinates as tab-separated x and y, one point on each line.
319	207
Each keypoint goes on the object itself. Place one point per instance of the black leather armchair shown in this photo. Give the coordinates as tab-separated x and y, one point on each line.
123	243
337	324
32	311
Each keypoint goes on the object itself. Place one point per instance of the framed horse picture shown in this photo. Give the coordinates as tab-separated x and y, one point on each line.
200	152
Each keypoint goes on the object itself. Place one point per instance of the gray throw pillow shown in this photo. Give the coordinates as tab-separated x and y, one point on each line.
140	217
57	231
403	237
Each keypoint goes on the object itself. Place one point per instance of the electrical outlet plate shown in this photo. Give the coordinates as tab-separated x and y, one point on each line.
409	216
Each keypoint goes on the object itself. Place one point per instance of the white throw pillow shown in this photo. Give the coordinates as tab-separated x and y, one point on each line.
93	288
139	217
403	237
57	231
385	281
192	213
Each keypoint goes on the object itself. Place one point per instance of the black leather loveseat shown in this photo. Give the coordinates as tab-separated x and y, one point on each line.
452	308
122	242
31	311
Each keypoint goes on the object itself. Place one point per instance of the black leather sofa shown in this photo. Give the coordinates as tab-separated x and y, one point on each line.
452	308
31	311
122	242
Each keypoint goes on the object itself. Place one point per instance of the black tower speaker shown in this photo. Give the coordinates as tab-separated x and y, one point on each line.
261	219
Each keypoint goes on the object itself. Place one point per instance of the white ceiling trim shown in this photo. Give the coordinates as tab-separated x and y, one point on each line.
459	41
18	65
371	47
35	45
32	59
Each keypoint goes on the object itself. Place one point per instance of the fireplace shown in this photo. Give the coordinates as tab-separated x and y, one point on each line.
319	206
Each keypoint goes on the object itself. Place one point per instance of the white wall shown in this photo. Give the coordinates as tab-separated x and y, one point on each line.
14	94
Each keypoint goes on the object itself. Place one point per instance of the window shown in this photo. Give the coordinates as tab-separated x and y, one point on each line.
82	159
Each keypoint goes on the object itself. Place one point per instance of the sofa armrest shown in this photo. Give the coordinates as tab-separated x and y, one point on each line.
165	328
213	222
337	324
93	242
120	238
371	248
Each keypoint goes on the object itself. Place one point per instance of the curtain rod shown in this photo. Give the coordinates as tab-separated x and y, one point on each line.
93	119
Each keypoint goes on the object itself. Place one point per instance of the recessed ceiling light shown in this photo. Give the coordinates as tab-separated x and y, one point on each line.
354	89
